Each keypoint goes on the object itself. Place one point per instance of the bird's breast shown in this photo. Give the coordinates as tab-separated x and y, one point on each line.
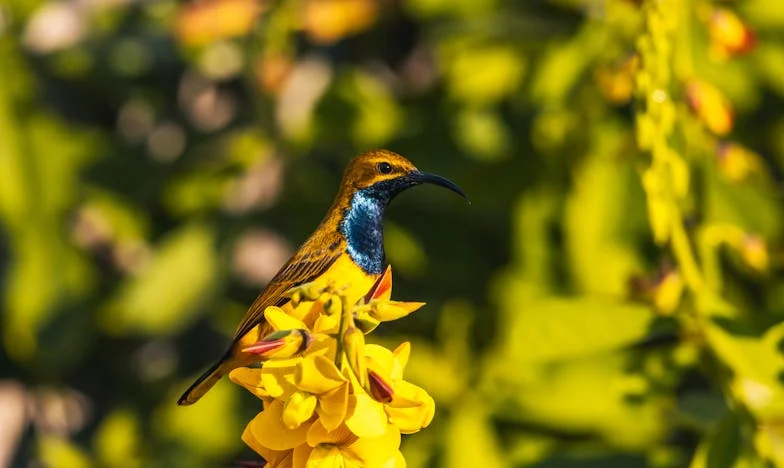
346	274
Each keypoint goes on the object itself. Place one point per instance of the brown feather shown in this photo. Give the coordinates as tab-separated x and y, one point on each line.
305	266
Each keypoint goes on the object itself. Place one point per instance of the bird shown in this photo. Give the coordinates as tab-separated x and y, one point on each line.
347	247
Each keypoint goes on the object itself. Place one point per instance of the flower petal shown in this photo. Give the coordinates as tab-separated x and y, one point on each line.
396	462
386	311
300	312
327	324
317	375
366	416
251	380
375	451
366	323
333	407
300	455
280	320
273	458
277	376
314	312
401	354
382	288
409	417
327	456
323	345
380	359
299	408
318	434
268	430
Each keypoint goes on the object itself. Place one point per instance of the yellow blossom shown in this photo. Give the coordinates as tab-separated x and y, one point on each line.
330	399
204	22
410	408
327	21
754	252
729	35
616	81
343	448
268	431
737	163
710	106
281	344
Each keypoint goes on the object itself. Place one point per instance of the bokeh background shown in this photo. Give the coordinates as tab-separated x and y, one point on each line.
612	296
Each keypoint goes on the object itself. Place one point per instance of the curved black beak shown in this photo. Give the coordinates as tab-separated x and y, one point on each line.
419	177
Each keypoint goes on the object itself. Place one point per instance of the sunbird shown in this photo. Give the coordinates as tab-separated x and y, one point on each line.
346	249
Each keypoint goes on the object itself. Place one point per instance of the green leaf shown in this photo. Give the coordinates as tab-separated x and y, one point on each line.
118	440
56	452
165	296
563	64
756	365
210	429
597	395
553	329
471	439
482	134
722	445
753	207
481	74
599	218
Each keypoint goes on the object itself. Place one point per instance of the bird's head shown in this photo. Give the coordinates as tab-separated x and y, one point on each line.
370	182
384	174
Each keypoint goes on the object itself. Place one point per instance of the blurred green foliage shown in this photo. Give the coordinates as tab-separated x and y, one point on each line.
612	297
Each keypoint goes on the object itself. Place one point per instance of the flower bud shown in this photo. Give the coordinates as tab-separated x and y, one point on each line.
729	36
354	347
710	106
667	293
736	163
304	292
616	81
754	252
281	344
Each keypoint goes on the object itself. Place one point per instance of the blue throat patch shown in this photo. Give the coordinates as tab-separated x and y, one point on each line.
361	226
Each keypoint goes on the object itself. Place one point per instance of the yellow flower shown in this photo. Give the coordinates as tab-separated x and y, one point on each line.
729	35
267	431
409	407
737	163
754	252
710	106
377	306
305	385
204	22
616	81
281	344
330	399
327	21
388	398
342	448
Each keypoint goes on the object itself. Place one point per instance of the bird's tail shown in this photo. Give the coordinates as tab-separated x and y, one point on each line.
205	382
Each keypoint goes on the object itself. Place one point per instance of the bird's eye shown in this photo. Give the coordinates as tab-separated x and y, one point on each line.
384	168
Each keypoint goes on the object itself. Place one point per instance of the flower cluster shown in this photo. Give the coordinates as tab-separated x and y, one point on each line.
330	399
